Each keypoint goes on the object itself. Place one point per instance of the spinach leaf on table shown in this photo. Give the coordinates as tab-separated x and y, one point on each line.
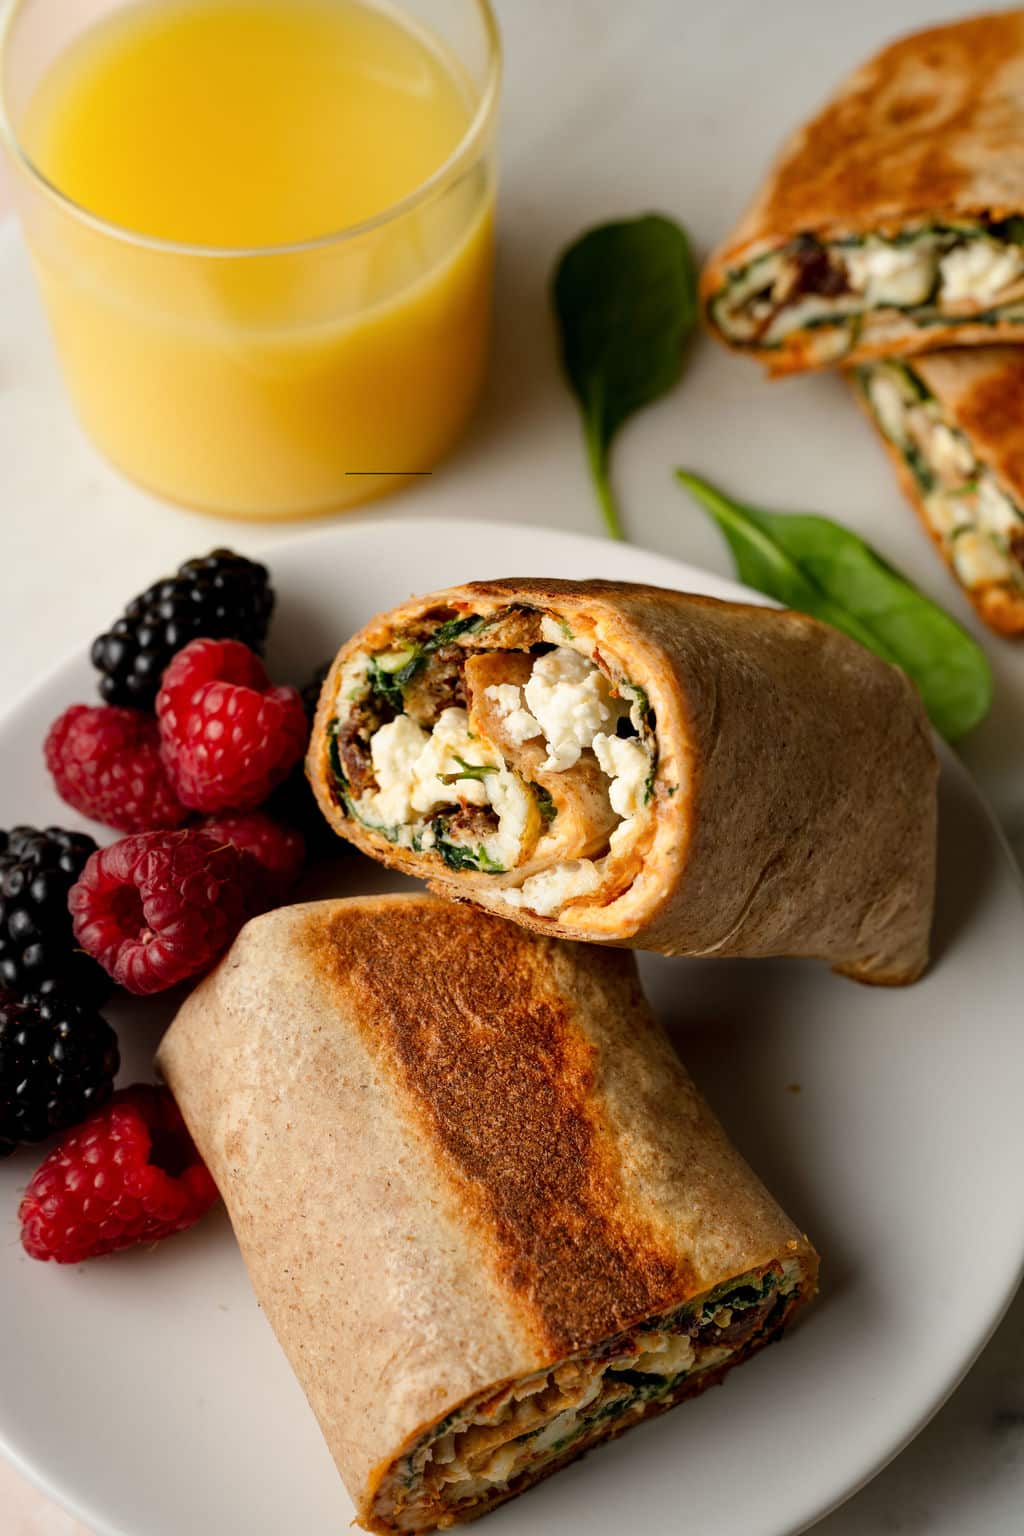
821	568
625	297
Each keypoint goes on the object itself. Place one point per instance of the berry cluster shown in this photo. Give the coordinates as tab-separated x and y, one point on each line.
191	742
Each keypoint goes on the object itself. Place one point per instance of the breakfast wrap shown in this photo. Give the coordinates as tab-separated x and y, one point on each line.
628	765
953	424
893	221
484	1208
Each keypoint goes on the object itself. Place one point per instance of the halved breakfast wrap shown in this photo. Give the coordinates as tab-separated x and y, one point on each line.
481	1202
893	221
628	765
953	424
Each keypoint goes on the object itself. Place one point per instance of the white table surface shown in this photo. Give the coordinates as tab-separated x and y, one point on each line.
610	109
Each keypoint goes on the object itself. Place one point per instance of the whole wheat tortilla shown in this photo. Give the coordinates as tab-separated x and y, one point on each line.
794	805
981	394
929	129
453	1154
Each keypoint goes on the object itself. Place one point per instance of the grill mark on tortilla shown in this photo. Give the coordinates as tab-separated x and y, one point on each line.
503	1084
880	142
991	413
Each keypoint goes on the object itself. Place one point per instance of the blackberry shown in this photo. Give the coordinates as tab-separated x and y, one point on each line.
220	596
37	948
58	1061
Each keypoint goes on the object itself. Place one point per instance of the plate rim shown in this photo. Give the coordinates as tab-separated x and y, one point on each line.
269	548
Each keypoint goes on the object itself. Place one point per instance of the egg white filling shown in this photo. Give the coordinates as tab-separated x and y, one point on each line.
504	1440
427	777
420	771
978	525
944	274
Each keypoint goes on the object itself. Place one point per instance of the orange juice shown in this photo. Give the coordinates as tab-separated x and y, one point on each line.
273	309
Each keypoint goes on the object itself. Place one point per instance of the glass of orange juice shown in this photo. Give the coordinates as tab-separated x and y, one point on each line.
263	232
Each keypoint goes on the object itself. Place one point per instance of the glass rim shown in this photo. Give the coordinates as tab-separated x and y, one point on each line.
447	173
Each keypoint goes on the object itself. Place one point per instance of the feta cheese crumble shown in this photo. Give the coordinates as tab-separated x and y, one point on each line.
891	274
950	454
977	561
977	522
423	773
888	403
571	700
627	763
839	291
566	699
996	512
554	631
418	772
395	750
979	270
548	892
445	752
520	726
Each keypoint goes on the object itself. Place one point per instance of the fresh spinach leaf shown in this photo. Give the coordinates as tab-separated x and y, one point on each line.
459	856
823	569
625	297
388	684
914	382
452	629
468	771
640	702
919	466
334	756
1010	231
390	672
545	804
635	1378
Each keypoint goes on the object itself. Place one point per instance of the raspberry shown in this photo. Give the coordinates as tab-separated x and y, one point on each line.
228	738
58	1061
129	1174
157	909
280	850
106	763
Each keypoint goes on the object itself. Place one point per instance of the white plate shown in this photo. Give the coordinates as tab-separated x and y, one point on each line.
147	1391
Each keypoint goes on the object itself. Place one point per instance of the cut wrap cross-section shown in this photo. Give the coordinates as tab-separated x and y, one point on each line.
892	222
628	765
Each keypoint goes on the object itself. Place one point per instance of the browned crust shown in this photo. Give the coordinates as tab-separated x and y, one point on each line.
999	606
983	393
487	1045
930	128
794	803
401	1275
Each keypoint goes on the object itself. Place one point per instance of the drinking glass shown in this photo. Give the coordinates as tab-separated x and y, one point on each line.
270	382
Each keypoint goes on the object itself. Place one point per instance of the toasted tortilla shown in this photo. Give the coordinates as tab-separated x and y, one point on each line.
456	1155
792	804
980	394
931	129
